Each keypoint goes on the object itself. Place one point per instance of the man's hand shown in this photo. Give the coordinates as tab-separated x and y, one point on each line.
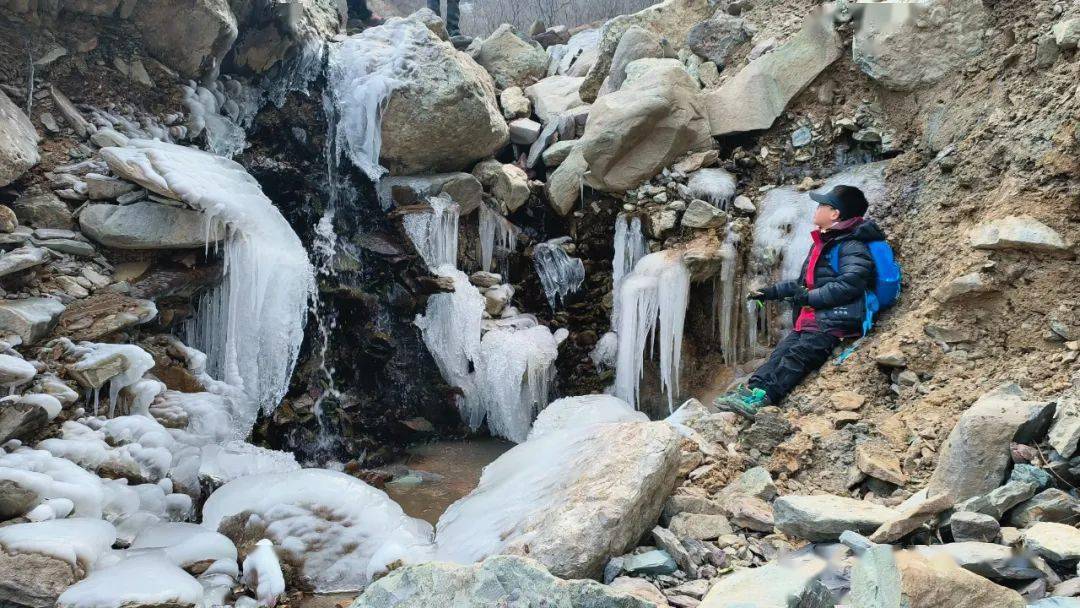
761	295
800	297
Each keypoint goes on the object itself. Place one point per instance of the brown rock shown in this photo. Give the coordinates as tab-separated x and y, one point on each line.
847	401
909	518
878	461
750	513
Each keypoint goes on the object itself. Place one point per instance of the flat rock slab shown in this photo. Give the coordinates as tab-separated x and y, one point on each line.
1056	542
1017	232
148	225
31	319
826	517
775	585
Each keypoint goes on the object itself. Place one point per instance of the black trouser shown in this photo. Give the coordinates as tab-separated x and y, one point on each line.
798	354
358	10
453	15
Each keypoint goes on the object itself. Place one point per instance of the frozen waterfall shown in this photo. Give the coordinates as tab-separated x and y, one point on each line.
252	324
655	293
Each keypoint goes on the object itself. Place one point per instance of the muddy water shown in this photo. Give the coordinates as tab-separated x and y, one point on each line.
441	473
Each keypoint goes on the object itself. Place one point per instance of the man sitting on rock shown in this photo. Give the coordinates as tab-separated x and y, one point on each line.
827	305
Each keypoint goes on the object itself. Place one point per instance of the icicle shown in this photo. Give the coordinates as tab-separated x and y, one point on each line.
560	274
496	233
656	292
516	371
630	246
728	305
435	234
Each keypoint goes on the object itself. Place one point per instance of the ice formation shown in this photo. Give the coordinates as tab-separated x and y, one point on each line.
435	234
221	110
250	326
528	480
784	223
262	573
140	580
655	293
515	374
726	302
340	530
136	363
16	371
363	72
78	541
560	274
185	544
716	186
496	234
630	246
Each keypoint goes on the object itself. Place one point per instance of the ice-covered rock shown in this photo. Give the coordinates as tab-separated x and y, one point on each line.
185	544
410	101
633	133
139	581
15	371
262	573
576	494
462	188
251	325
18	141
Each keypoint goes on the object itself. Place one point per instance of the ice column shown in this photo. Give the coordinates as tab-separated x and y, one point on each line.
496	232
560	274
435	234
655	293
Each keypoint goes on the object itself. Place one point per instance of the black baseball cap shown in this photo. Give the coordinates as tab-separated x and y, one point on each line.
848	200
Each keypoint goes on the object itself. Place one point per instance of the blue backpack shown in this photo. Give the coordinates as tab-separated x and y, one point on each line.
886	283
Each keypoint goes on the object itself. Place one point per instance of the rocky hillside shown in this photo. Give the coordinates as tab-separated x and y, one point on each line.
252	250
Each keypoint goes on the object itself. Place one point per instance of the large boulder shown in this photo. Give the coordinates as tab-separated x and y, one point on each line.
33	580
715	38
148	225
443	116
191	37
636	43
510	60
31	319
975	457
633	133
826	517
498	581
907	45
18	141
671	19
754	98
884	579
554	95
285	31
570	499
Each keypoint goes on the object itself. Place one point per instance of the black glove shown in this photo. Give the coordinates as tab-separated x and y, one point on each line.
761	295
800	297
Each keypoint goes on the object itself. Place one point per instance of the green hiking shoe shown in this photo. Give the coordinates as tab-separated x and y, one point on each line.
744	401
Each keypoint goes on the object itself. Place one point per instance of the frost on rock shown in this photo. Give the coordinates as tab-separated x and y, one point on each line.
435	234
560	274
250	326
497	236
140	580
336	529
716	186
135	362
262	573
573	412
784	223
363	72
78	541
655	293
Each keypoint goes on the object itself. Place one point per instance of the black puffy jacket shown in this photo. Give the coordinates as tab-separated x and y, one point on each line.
837	297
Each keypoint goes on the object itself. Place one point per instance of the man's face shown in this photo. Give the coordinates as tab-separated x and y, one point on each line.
825	216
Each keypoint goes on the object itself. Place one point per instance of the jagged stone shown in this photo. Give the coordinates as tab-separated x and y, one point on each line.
524	131
753	98
507	183
1052	505
103	187
1067	33
671	545
190	37
639	588
558	152
700	214
635	132
21	421
971	526
100	315
904	47
1056	542
31	319
878	461
983	435
884	579
18	142
699	526
1064	434
510	59
514	103
22	259
825	517
973	283
999	500
1017	232
148	225
39	208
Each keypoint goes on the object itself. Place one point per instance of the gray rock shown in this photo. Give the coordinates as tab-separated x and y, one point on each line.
74	118
1017	232
1029	473
999	500
636	43
1064	434
1050	505
744	204
670	544
759	92
148	225
21	259
495	582
715	38
904	49
558	152
511	61
691	503
983	435
462	188
1056	542
700	214
40	208
563	187
553	96
432	21
775	585
32	580
31	319
1067	33
650	562
524	131
514	103
1047	51
756	482
21	421
699	526
910	515
15	500
970	526
191	38
508	183
101	187
825	517
80	249
18	142
997	562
